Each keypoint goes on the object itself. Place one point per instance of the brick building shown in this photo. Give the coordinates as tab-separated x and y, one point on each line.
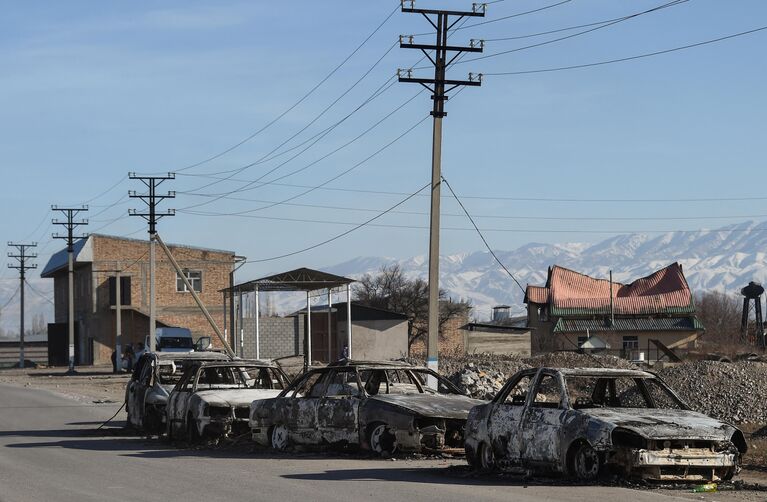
650	318
98	256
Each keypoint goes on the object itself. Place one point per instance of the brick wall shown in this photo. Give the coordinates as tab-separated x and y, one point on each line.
278	336
174	308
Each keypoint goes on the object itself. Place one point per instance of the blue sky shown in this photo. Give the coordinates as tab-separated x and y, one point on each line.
92	90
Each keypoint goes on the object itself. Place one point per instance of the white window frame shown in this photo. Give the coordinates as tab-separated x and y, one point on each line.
181	286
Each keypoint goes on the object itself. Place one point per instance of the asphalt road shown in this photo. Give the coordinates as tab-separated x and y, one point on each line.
49	450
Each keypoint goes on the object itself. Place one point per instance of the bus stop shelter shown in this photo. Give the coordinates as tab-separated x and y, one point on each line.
298	280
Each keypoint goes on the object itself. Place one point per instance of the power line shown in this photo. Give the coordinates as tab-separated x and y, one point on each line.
322	134
510	198
271	203
333	178
38	293
212	175
294	105
249	186
629	58
499	230
584	32
15	292
511	16
550	32
482	236
347	232
263	158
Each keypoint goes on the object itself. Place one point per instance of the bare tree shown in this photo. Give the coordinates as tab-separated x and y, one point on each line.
391	290
721	316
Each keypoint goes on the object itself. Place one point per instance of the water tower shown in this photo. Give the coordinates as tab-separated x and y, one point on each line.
754	292
501	313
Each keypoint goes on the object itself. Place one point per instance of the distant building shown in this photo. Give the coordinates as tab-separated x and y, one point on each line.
650	318
96	259
376	334
503	334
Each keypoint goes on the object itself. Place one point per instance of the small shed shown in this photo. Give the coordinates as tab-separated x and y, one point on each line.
304	280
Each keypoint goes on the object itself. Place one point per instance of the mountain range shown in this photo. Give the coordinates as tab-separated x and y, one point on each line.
723	259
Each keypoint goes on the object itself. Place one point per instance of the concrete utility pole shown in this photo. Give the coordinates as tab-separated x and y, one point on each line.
151	199
442	21
70	224
22	255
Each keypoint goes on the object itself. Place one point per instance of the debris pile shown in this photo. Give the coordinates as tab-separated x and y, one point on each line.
481	382
483	375
576	360
732	392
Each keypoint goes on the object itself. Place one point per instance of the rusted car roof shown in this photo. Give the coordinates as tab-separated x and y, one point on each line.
603	372
370	364
570	292
191	356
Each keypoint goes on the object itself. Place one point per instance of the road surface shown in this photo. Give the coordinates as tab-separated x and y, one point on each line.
49	450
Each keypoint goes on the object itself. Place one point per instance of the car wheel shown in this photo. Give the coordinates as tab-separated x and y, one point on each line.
382	439
486	457
192	434
586	463
278	437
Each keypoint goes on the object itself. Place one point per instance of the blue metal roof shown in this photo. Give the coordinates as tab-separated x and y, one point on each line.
58	260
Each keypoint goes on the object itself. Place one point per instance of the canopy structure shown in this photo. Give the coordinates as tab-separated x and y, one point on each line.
300	279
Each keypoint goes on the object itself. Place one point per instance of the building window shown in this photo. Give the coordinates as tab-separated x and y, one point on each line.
630	342
543	314
195	279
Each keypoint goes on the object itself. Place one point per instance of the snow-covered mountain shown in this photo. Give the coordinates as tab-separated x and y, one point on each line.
723	259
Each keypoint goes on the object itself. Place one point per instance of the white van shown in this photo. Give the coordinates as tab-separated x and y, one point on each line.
172	340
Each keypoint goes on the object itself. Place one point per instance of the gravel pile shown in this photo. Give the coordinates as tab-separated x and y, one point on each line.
733	392
575	360
482	382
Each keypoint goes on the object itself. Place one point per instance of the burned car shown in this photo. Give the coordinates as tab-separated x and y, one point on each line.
585	422
379	406
154	376
212	399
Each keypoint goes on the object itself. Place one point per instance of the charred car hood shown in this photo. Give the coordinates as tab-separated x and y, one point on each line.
664	424
235	397
431	405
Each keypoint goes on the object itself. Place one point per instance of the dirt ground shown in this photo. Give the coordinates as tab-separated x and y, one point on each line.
88	384
97	384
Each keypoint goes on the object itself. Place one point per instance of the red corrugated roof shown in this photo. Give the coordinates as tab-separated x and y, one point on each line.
664	290
537	294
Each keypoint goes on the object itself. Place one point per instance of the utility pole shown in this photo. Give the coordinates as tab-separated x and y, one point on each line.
70	224
22	255
151	199
439	86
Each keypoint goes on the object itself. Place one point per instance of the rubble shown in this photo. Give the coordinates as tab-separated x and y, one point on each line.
732	392
483	375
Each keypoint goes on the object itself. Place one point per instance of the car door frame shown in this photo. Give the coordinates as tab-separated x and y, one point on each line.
301	412
345	407
179	398
509	418
538	422
137	391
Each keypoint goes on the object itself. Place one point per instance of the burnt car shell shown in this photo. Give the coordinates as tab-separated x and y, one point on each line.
203	406
652	443
413	417
152	380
